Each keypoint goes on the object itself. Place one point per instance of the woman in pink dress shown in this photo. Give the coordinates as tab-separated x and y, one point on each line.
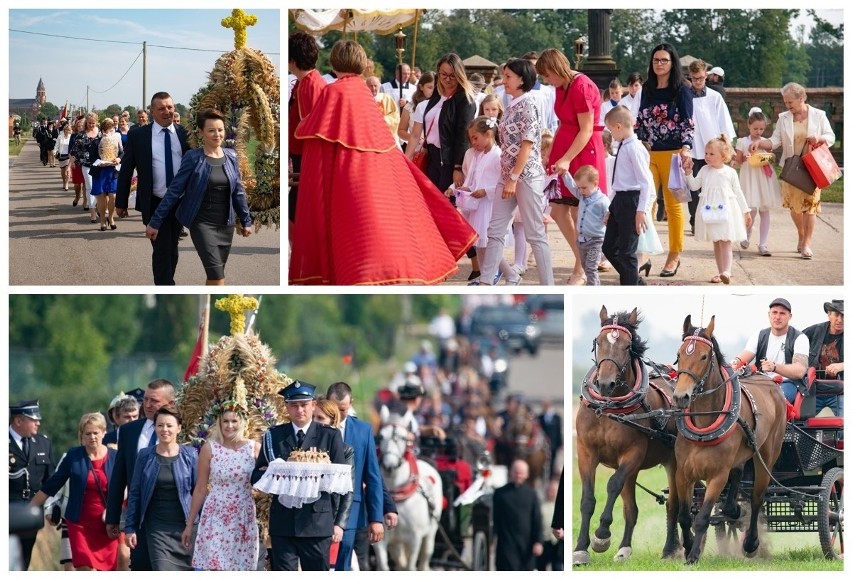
577	141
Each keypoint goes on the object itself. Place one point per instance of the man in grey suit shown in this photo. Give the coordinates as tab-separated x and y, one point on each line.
300	534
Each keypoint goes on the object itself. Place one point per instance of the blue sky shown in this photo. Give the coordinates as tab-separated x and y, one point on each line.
67	66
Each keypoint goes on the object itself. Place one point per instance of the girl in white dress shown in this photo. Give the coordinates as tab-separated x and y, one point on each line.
475	198
723	214
759	184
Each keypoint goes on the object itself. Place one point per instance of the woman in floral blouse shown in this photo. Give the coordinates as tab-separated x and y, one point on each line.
666	127
521	181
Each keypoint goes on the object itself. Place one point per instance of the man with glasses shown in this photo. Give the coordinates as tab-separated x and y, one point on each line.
711	117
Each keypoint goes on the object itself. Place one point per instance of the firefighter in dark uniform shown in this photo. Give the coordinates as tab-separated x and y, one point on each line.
300	534
30	462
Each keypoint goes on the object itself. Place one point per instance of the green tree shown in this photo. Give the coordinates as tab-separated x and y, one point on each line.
77	349
48	111
825	53
112	111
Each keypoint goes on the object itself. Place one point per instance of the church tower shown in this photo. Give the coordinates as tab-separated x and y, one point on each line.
41	93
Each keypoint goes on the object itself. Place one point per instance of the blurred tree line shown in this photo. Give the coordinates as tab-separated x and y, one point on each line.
64	349
755	47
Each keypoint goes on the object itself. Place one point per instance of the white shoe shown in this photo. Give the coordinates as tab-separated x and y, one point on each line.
744	244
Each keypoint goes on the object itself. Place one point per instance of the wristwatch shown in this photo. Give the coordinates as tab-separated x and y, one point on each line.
514	177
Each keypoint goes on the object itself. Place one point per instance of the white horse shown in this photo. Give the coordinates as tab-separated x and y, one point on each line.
416	488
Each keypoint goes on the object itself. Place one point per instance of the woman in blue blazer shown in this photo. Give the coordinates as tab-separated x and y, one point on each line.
160	494
88	468
211	197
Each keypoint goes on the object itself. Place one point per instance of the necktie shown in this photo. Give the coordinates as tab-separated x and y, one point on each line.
153	440
615	162
300	438
25	444
170	170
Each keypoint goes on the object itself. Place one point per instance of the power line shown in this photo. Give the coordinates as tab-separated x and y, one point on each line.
122	76
123	42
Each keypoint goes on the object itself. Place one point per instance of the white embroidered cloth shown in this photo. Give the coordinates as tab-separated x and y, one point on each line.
300	483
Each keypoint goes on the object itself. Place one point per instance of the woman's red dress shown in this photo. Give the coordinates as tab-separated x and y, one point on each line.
90	544
365	214
581	96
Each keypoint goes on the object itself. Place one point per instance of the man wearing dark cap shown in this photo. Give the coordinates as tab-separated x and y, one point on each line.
300	535
779	350
826	352
411	394
30	462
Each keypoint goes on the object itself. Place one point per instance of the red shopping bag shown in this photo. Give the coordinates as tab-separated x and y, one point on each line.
822	167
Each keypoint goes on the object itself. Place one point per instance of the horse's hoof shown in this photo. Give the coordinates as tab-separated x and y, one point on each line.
600	545
753	553
581	558
623	554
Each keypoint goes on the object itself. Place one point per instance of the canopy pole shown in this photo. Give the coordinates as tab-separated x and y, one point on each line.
414	42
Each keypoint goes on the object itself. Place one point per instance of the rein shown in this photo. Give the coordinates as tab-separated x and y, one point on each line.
625	404
407	489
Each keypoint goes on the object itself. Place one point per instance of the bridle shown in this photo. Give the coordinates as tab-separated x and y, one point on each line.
698	388
614	330
397	436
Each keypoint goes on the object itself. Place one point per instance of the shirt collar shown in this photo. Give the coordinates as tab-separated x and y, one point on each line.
15	435
296	429
514	101
162	128
699	93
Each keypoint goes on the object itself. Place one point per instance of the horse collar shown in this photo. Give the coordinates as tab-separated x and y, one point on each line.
615	404
408	489
722	427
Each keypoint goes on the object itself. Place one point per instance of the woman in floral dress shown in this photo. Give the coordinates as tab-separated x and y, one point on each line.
227	535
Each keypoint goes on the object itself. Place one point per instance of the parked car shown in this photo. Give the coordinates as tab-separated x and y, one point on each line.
548	313
510	324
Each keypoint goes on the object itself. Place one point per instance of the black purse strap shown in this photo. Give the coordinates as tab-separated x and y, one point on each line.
97	480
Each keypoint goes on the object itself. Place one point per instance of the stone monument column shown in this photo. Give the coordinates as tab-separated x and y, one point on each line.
599	65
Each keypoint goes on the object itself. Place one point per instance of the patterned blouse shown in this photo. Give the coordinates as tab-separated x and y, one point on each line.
665	121
521	122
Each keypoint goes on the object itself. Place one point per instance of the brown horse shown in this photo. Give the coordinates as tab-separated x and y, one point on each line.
612	431
524	439
718	434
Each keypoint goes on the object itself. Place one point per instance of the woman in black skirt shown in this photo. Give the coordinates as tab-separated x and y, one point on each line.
211	197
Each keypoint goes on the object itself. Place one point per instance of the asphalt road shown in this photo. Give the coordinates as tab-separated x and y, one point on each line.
539	377
53	243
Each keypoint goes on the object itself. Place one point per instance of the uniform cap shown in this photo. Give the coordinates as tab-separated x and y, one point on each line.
28	408
297	391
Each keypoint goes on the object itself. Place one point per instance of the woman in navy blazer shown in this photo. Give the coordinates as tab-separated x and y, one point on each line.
211	194
160	495
88	468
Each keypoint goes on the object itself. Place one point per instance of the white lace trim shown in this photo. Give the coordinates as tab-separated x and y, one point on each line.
300	483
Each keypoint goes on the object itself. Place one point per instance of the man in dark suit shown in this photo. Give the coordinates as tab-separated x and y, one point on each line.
367	502
133	437
146	152
300	534
517	522
551	425
30	462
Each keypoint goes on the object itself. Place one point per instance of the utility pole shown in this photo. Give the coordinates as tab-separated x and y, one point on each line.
144	72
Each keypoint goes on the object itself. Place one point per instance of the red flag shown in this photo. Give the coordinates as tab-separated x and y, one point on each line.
195	358
200	349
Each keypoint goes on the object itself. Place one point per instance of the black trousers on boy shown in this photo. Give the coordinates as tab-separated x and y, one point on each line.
620	239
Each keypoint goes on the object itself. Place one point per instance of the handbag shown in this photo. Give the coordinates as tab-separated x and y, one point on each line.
677	182
822	166
421	155
421	159
466	201
796	173
714	213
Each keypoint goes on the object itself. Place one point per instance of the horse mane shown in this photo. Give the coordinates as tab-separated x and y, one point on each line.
717	351
638	346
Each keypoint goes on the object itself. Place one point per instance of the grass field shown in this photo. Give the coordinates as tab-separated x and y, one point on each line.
787	551
14	149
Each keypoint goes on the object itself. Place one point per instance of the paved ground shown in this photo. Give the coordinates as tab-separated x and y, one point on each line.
53	243
785	267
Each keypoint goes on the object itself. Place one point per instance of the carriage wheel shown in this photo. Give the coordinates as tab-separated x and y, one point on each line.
830	520
481	552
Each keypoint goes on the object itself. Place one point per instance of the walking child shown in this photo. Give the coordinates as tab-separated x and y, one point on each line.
475	198
591	220
758	182
633	184
721	204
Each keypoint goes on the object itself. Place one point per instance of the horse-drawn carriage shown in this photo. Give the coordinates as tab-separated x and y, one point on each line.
705	421
806	492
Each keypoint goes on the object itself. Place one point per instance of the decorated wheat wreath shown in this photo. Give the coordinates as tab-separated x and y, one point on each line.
244	86
238	372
